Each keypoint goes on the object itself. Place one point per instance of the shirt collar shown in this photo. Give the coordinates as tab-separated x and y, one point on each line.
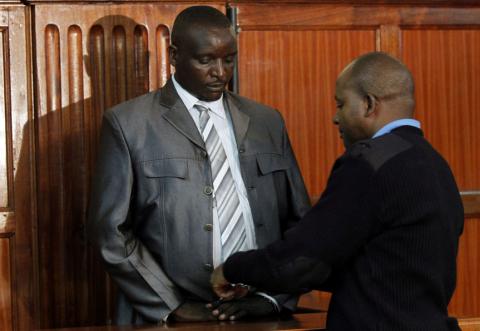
190	100
395	124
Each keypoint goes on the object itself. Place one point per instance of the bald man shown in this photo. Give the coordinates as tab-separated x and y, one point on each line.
383	237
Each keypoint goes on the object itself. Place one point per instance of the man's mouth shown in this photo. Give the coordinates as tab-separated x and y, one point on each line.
217	87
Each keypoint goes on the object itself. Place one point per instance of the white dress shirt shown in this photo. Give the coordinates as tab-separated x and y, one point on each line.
224	128
223	125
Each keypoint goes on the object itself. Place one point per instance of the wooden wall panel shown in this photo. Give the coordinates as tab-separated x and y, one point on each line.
446	68
17	210
5	136
445	63
466	301
280	61
88	58
6	309
313	15
295	72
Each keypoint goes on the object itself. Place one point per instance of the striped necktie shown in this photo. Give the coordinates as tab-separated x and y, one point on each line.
231	220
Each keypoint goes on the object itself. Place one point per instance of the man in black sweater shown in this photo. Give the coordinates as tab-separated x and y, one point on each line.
383	237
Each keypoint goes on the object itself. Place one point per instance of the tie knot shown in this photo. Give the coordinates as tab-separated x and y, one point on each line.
201	108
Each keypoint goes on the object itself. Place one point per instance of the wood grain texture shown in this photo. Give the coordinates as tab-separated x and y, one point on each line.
17	220
446	67
4	187
466	301
351	2
6	143
295	72
471	203
388	39
6	309
443	54
365	2
88	58
269	16
120	64
7	223
140	52
161	52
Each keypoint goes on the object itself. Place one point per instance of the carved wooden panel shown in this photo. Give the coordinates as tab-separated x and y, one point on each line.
88	58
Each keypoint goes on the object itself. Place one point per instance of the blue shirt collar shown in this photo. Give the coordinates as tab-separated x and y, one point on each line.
395	124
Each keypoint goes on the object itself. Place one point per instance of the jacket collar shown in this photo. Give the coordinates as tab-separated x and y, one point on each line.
177	114
240	119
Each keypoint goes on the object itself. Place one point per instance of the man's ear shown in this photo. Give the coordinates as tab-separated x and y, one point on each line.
371	104
172	54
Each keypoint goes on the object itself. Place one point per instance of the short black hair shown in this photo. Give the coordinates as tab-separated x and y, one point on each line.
197	17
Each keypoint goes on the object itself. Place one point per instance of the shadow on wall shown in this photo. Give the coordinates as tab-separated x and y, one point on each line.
110	66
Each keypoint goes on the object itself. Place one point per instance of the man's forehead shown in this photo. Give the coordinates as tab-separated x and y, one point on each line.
201	32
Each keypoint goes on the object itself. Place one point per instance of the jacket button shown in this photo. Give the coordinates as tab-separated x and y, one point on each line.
241	150
208	190
208	267
208	227
204	154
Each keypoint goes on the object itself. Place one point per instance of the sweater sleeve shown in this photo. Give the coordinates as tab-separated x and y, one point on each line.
329	235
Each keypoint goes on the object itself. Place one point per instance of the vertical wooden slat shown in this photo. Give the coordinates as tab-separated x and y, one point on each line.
76	177
52	198
4	137
141	60
97	76
161	50
120	63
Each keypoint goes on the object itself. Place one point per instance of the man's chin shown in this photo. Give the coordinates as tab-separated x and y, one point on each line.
211	96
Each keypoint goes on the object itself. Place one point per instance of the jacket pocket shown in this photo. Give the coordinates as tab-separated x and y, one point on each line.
268	163
166	168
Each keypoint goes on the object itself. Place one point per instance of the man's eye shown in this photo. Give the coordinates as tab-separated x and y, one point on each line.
229	59
204	60
339	105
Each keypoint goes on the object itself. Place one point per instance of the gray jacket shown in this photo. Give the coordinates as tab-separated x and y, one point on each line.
150	197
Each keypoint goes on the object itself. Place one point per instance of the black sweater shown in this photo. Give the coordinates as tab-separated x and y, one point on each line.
383	238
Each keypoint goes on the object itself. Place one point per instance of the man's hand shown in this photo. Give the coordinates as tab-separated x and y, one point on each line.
223	288
254	305
191	311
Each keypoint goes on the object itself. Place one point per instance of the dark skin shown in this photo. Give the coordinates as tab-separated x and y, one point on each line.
204	63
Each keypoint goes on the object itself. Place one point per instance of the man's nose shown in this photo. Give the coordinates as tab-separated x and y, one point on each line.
219	69
335	119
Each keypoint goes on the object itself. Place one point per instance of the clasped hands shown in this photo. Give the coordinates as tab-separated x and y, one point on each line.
234	303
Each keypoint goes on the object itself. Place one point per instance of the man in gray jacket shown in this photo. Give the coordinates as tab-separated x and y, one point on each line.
188	175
